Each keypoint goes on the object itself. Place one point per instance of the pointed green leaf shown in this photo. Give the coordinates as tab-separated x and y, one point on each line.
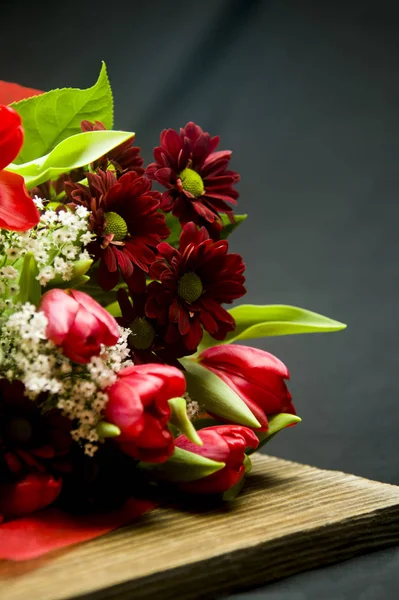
77	151
272	320
276	424
29	287
179	419
183	466
228	227
215	395
50	118
175	227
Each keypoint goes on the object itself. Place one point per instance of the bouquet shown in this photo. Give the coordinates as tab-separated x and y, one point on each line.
120	377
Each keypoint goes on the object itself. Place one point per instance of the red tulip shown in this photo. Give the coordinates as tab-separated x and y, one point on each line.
138	405
255	375
223	443
13	92
78	324
17	210
33	493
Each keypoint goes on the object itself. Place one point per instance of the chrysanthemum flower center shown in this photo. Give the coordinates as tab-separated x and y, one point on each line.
189	287
192	182
142	335
115	224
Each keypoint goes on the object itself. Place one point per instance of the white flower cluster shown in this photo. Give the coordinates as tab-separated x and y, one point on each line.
56	242
192	406
52	380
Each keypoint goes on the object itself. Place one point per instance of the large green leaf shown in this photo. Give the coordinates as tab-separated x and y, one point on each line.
50	118
77	151
182	466
215	395
272	320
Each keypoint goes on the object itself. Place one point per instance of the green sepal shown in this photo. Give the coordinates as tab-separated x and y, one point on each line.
107	430
254	321
179	419
276	424
182	466
215	395
50	118
72	153
29	286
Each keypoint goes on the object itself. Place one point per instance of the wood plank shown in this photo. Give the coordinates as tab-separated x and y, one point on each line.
290	518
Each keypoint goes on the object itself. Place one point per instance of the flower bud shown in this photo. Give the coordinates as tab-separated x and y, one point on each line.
256	376
78	324
224	444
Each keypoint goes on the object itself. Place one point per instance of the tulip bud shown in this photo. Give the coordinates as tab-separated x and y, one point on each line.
138	405
256	376
78	324
224	444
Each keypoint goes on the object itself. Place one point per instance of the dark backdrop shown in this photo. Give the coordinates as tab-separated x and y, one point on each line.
306	94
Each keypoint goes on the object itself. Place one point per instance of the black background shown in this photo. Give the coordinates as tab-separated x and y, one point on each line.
307	95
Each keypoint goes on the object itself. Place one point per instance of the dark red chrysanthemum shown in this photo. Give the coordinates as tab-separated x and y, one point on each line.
126	220
191	285
200	186
123	158
147	341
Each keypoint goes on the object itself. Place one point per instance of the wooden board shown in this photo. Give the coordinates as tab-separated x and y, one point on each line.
290	518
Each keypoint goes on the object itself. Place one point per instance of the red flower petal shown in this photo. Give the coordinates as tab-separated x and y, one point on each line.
11	135
17	210
13	92
51	529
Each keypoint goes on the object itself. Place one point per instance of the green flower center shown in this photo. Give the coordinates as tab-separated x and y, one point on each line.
189	287
115	224
142	335
192	182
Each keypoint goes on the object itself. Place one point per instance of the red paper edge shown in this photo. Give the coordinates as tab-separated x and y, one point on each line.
52	529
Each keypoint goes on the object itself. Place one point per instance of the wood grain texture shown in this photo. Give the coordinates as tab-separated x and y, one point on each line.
289	518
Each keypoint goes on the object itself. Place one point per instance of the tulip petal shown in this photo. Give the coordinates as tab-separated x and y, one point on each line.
17	210
11	135
60	310
111	330
51	529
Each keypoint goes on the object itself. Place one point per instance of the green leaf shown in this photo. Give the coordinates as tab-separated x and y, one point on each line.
272	320
183	466
50	118
114	309
175	228
78	278
77	151
276	424
215	395
179	419
29	286
228	227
